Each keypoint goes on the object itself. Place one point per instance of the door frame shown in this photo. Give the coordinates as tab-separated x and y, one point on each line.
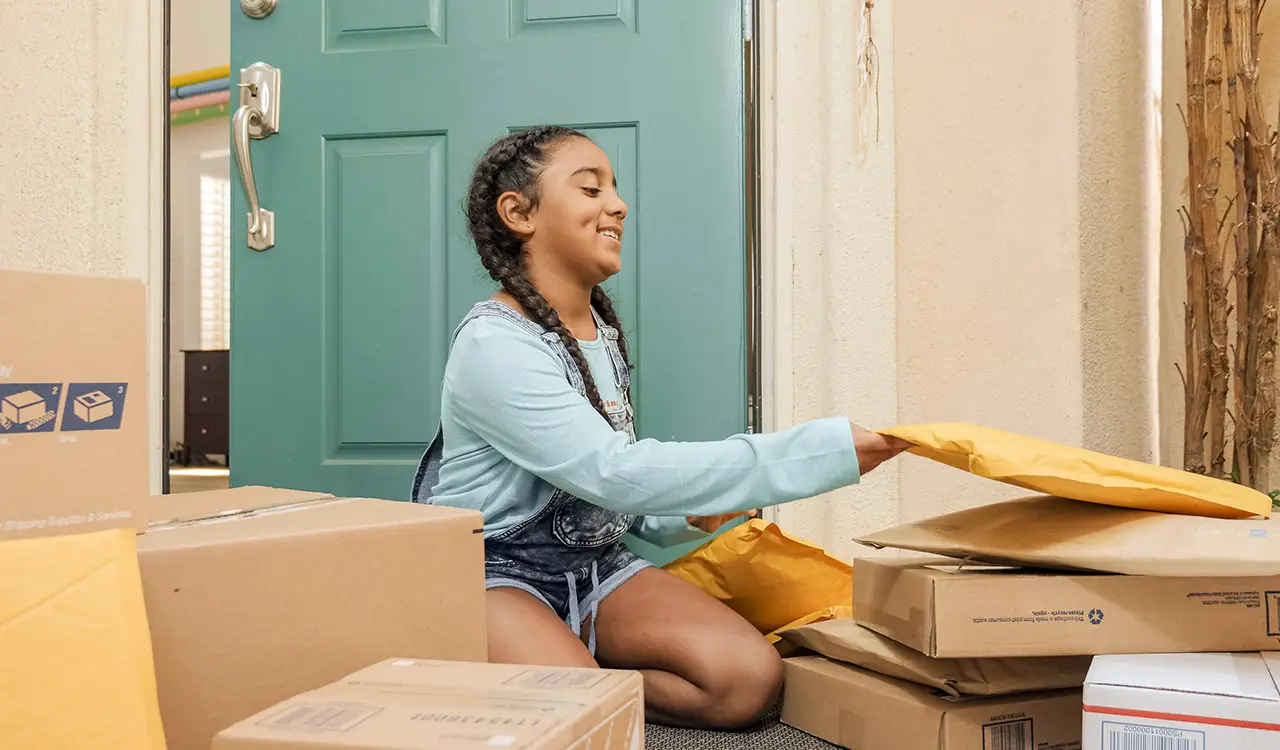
768	282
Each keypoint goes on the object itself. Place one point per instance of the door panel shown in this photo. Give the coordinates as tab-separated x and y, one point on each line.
341	330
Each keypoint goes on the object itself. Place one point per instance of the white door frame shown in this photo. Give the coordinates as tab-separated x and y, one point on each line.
771	258
774	255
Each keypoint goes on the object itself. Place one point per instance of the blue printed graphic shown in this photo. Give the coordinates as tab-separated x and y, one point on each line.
1095	616
29	407
1258	533
94	406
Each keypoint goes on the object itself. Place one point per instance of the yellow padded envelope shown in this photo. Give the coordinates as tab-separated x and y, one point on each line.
770	578
1064	471
75	650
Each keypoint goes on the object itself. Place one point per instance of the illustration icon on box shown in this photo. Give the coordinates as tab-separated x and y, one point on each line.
35	407
29	407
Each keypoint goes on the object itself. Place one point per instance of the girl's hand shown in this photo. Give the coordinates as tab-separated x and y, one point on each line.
709	524
874	448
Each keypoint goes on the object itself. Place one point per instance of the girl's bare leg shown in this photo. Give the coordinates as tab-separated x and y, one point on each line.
523	630
703	665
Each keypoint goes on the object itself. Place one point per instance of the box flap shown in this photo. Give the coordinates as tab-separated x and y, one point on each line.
1052	532
1245	675
846	641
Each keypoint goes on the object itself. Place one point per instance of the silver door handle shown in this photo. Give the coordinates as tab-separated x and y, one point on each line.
258	117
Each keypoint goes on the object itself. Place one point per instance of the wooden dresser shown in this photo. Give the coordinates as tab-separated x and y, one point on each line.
206	407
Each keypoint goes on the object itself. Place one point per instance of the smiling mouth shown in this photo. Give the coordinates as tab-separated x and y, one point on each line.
611	234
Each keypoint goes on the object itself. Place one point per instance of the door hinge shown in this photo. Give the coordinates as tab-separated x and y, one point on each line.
751	414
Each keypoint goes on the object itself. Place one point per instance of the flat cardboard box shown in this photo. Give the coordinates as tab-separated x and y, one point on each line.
944	609
1052	532
408	704
256	595
863	710
850	643
64	337
1183	702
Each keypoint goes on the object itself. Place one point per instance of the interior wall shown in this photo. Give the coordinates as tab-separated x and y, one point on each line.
200	39
81	167
200	34
198	150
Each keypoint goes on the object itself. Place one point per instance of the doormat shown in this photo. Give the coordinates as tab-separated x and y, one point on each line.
769	734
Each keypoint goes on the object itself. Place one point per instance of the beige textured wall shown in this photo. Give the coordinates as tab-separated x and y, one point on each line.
79	120
1022	231
833	213
988	261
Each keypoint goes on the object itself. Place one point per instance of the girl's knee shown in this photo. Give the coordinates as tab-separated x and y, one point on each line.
746	688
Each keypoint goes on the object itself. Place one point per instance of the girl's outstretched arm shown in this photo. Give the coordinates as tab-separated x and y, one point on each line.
510	389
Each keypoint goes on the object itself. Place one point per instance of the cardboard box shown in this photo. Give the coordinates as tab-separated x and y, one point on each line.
863	710
256	595
407	704
63	338
942	608
1051	532
1183	702
850	643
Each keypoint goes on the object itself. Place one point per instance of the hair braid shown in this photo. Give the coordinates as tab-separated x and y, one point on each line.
514	163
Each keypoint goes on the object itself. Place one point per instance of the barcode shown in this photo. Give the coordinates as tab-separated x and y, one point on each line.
1150	738
327	717
1013	735
581	679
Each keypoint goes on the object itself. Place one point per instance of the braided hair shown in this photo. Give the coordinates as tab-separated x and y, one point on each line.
514	164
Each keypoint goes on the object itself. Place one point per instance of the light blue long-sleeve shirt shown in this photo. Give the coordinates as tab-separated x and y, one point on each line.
515	429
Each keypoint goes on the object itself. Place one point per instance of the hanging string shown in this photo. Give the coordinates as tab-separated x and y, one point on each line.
867	76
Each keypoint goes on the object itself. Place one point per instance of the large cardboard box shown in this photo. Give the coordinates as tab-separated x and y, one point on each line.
256	595
863	710
1183	702
407	704
73	404
943	608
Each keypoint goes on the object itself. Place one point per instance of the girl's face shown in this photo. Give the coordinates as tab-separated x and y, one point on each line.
576	229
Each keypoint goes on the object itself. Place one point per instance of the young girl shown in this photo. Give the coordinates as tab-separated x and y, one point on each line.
537	434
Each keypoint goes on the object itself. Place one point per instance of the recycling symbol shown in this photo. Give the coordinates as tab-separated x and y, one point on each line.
1095	616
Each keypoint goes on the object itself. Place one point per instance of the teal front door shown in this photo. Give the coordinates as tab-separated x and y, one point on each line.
341	330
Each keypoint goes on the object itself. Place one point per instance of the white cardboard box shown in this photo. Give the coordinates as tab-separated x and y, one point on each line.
1183	702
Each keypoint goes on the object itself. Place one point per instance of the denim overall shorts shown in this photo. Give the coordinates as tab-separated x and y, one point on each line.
569	553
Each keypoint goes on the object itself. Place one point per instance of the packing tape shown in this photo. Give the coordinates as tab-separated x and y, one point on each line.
237	513
853	729
914	625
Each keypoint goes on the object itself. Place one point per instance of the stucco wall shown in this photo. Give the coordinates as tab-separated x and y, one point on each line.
79	120
988	262
833	229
